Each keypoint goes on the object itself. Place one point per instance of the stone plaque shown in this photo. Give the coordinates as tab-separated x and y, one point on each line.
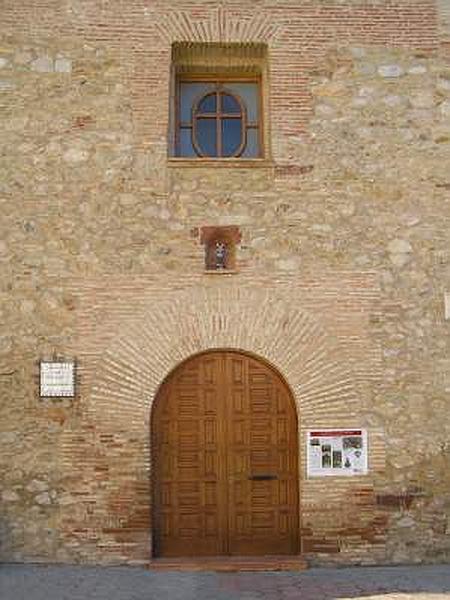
57	379
338	452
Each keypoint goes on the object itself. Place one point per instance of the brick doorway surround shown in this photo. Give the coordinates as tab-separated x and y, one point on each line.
106	454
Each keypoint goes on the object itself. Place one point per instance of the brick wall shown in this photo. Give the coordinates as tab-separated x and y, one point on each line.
344	252
140	34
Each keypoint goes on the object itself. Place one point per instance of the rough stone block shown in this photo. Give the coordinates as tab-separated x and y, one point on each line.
417	70
423	100
443	85
22	57
43	64
63	65
399	246
7	86
76	155
390	71
37	485
10	496
393	101
445	108
43	499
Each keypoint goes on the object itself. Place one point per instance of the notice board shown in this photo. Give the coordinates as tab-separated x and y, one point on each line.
337	452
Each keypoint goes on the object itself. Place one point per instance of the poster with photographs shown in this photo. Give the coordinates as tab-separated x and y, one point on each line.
337	452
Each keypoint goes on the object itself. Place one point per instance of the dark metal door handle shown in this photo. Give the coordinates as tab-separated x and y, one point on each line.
262	477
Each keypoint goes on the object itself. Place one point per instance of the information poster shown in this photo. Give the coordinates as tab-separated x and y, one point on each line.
57	380
337	452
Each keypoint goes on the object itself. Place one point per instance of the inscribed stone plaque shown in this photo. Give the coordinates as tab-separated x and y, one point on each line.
57	379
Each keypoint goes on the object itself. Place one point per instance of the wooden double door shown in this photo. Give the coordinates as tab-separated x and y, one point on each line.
224	460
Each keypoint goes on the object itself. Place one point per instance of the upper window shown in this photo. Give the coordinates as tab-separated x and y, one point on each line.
218	119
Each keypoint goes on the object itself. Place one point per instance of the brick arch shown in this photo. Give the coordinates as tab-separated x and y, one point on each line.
106	453
218	24
162	336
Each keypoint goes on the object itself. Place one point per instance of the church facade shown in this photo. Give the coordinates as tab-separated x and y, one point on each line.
225	290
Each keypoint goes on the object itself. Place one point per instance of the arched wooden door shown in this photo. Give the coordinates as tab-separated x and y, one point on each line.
224	460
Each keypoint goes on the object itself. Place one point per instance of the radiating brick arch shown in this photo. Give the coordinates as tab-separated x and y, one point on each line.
147	348
219	24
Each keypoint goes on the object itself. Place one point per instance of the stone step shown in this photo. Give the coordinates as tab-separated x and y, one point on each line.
230	563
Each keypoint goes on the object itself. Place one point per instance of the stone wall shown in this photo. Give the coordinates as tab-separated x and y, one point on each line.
444	19
347	219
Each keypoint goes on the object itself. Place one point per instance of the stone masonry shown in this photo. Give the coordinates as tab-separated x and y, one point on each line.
340	275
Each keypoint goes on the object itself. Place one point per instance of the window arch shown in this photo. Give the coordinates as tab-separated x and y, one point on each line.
218	119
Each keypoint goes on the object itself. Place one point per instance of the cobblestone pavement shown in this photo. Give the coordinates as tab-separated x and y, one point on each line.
32	582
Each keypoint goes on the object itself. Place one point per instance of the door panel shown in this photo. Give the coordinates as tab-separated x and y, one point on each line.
189	494
262	461
225	476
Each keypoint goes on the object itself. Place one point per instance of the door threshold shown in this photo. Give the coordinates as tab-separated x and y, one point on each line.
230	563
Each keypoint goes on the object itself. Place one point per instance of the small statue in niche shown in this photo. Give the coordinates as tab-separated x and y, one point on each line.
220	247
220	255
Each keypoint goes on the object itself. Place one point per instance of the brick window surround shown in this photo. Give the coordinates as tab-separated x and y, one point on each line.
226	73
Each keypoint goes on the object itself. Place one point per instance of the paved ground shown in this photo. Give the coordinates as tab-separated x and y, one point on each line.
19	582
